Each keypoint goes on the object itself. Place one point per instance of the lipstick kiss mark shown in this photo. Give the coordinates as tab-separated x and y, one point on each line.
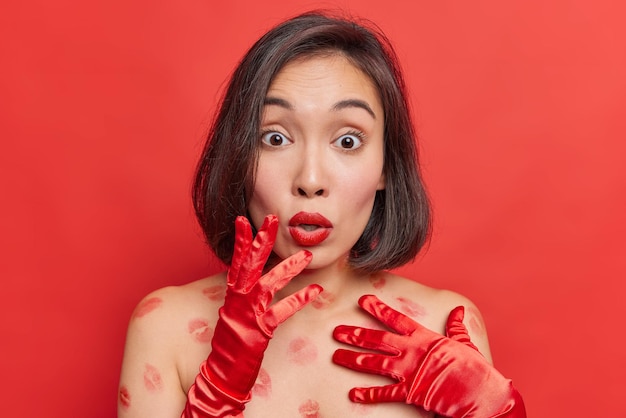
475	322
215	293
147	306
361	409
301	351
309	409
124	397
263	385
152	378
410	308
378	281
323	300
200	330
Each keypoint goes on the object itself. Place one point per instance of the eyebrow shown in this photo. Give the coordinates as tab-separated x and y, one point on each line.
340	105
360	104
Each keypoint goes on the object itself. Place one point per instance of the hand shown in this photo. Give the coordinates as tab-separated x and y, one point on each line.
442	374
246	322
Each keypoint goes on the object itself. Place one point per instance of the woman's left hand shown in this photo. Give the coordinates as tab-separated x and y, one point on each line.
442	374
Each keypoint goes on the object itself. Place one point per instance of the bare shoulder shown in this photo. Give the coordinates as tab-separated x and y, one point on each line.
166	324
431	306
159	312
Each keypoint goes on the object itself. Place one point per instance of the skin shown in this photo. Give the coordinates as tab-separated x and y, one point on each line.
312	170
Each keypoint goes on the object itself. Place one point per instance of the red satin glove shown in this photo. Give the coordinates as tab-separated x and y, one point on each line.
246	324
442	374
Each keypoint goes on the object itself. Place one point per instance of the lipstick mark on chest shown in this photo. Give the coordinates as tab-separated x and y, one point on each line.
361	409
215	293
411	308
147	306
200	330
309	409
263	384
152	378
301	351
323	300
124	397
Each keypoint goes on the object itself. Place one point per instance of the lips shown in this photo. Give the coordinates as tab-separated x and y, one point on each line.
309	229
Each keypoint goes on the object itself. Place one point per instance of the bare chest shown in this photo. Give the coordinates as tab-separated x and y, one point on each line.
299	379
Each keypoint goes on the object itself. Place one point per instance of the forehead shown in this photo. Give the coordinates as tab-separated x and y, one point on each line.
325	78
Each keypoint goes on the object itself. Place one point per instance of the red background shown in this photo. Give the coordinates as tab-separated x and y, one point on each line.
520	109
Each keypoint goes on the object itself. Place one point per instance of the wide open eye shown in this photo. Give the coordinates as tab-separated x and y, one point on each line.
274	139
349	141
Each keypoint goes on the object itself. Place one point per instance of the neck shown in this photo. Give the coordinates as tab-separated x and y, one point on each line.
336	279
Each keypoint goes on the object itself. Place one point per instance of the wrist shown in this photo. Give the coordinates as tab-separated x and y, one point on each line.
207	399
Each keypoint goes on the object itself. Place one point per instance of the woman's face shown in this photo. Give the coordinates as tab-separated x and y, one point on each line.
321	157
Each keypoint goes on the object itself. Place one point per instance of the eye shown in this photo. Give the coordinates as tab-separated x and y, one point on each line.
274	139
349	141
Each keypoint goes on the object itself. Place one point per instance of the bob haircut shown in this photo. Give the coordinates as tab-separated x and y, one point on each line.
400	221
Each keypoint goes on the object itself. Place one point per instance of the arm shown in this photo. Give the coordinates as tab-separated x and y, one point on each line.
149	381
443	374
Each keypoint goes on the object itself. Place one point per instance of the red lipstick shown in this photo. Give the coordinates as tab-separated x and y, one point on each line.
309	229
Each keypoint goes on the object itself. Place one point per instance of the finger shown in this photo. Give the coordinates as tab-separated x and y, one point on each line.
243	241
456	330
279	276
286	308
366	362
261	248
370	339
391	393
387	315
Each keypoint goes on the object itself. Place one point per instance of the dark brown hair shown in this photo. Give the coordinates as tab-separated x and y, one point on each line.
400	221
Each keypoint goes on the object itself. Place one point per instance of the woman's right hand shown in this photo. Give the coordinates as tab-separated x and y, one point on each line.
246	321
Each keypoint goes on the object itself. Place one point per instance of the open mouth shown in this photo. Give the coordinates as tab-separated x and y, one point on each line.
308	229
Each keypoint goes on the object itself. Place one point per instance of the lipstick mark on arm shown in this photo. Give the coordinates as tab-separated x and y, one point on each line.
323	300
301	351
152	378
263	384
200	330
411	308
215	293
309	409
124	398
147	306
475	321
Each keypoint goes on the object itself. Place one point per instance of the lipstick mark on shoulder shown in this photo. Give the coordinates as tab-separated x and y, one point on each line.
263	384
215	293
301	351
411	308
147	306
200	330
152	378
124	397
378	281
323	300
309	409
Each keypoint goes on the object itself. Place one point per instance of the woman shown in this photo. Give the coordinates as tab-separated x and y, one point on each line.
309	190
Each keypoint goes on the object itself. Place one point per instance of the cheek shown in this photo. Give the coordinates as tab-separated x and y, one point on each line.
359	190
265	197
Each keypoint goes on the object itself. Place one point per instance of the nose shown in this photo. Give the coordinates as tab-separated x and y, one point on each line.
312	177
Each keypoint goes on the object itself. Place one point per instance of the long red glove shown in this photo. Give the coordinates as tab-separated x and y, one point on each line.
246	324
442	374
